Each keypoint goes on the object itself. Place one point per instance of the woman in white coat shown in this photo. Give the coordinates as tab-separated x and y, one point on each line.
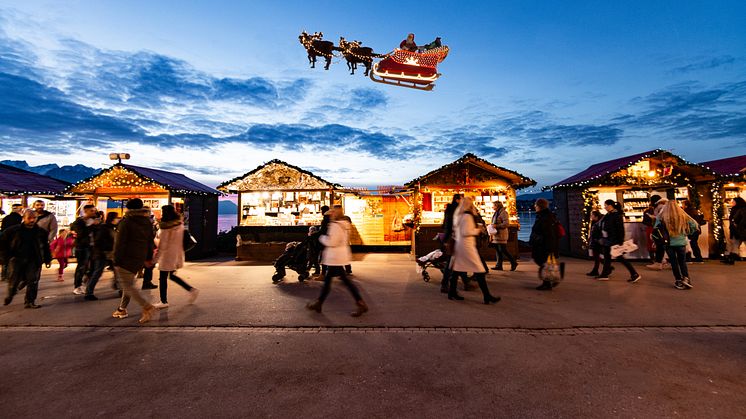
336	256
170	254
465	253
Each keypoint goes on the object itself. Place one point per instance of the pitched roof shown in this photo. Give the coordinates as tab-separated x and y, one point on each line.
14	181
596	173
516	179
225	186
173	182
730	167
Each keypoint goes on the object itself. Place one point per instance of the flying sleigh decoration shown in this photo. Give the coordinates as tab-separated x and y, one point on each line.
408	66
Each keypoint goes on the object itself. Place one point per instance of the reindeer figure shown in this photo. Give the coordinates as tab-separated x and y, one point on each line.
355	53
317	47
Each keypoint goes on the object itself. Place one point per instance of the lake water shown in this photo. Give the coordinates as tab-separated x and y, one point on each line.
526	218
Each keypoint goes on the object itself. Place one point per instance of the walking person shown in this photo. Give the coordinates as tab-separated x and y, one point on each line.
594	242
147	271
83	229
499	240
10	220
101	252
26	246
694	236
170	254
335	256
544	240
62	250
448	235
660	246
678	225
45	220
465	253
737	230
133	249
612	233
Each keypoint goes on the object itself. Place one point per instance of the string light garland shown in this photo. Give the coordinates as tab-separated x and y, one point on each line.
128	180
590	198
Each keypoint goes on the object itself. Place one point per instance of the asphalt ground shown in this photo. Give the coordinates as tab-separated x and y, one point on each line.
248	348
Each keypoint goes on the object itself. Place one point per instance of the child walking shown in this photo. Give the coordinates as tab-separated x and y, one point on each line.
62	250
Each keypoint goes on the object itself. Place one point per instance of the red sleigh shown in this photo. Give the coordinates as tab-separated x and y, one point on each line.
416	70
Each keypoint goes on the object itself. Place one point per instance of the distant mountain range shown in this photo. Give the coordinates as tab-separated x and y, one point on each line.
68	173
227	207
534	196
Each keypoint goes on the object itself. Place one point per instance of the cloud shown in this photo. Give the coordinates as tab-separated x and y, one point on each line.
706	64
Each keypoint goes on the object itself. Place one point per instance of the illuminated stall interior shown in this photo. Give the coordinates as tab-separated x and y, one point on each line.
196	202
731	184
381	217
18	186
470	176
631	181
280	194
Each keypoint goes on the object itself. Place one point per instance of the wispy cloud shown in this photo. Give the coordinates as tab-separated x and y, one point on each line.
706	64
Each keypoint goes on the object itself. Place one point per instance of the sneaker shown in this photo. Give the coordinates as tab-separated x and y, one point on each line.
121	313
193	294
90	297
149	286
159	305
147	314
687	283
602	277
361	308
679	285
635	278
655	266
79	291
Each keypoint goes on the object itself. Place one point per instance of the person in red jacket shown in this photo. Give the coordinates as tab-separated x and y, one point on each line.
408	44
62	250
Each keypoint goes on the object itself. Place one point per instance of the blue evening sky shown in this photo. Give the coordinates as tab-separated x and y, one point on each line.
215	88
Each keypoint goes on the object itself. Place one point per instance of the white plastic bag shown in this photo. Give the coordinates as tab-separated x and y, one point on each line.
628	246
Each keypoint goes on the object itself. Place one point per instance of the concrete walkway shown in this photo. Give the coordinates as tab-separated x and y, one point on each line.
248	348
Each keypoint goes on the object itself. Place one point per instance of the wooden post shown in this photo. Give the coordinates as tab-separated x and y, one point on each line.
240	208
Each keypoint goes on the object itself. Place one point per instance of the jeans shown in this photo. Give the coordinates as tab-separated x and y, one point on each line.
147	276
163	279
97	269
696	252
620	259
29	273
500	250
677	258
339	271
596	256
83	255
127	283
660	250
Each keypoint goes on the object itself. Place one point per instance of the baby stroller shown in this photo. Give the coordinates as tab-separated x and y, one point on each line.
295	257
436	259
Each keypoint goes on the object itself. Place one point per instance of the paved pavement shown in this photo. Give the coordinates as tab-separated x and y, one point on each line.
248	348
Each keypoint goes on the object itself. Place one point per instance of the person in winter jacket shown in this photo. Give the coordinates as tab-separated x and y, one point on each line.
499	240
679	226
133	249
84	230
14	218
660	246
737	235
170	254
594	242
697	216
612	233
465	253
335	256
26	245
45	220
447	235
101	251
62	250
544	239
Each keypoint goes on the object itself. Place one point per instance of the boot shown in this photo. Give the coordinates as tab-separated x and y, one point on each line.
545	286
729	259
361	308
455	297
314	306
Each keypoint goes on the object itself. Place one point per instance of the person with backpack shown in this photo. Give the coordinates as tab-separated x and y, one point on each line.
544	240
612	234
675	226
170	254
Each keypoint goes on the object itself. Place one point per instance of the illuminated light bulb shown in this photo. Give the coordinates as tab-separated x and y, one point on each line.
651	173
731	184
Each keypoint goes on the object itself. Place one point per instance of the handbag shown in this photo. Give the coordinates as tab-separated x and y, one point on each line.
189	241
551	270
660	234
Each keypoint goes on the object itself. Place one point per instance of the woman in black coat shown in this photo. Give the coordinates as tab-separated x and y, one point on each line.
737	220
544	239
612	233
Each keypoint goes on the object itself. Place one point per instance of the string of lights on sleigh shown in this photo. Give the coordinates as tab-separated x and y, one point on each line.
414	70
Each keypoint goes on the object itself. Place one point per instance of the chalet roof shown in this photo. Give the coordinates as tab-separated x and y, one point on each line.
15	181
729	167
515	179
306	180
597	173
173	182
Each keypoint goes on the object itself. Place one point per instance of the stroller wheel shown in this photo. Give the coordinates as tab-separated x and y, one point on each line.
426	276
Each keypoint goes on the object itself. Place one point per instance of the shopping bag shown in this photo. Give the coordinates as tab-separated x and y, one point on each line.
551	270
628	246
189	241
